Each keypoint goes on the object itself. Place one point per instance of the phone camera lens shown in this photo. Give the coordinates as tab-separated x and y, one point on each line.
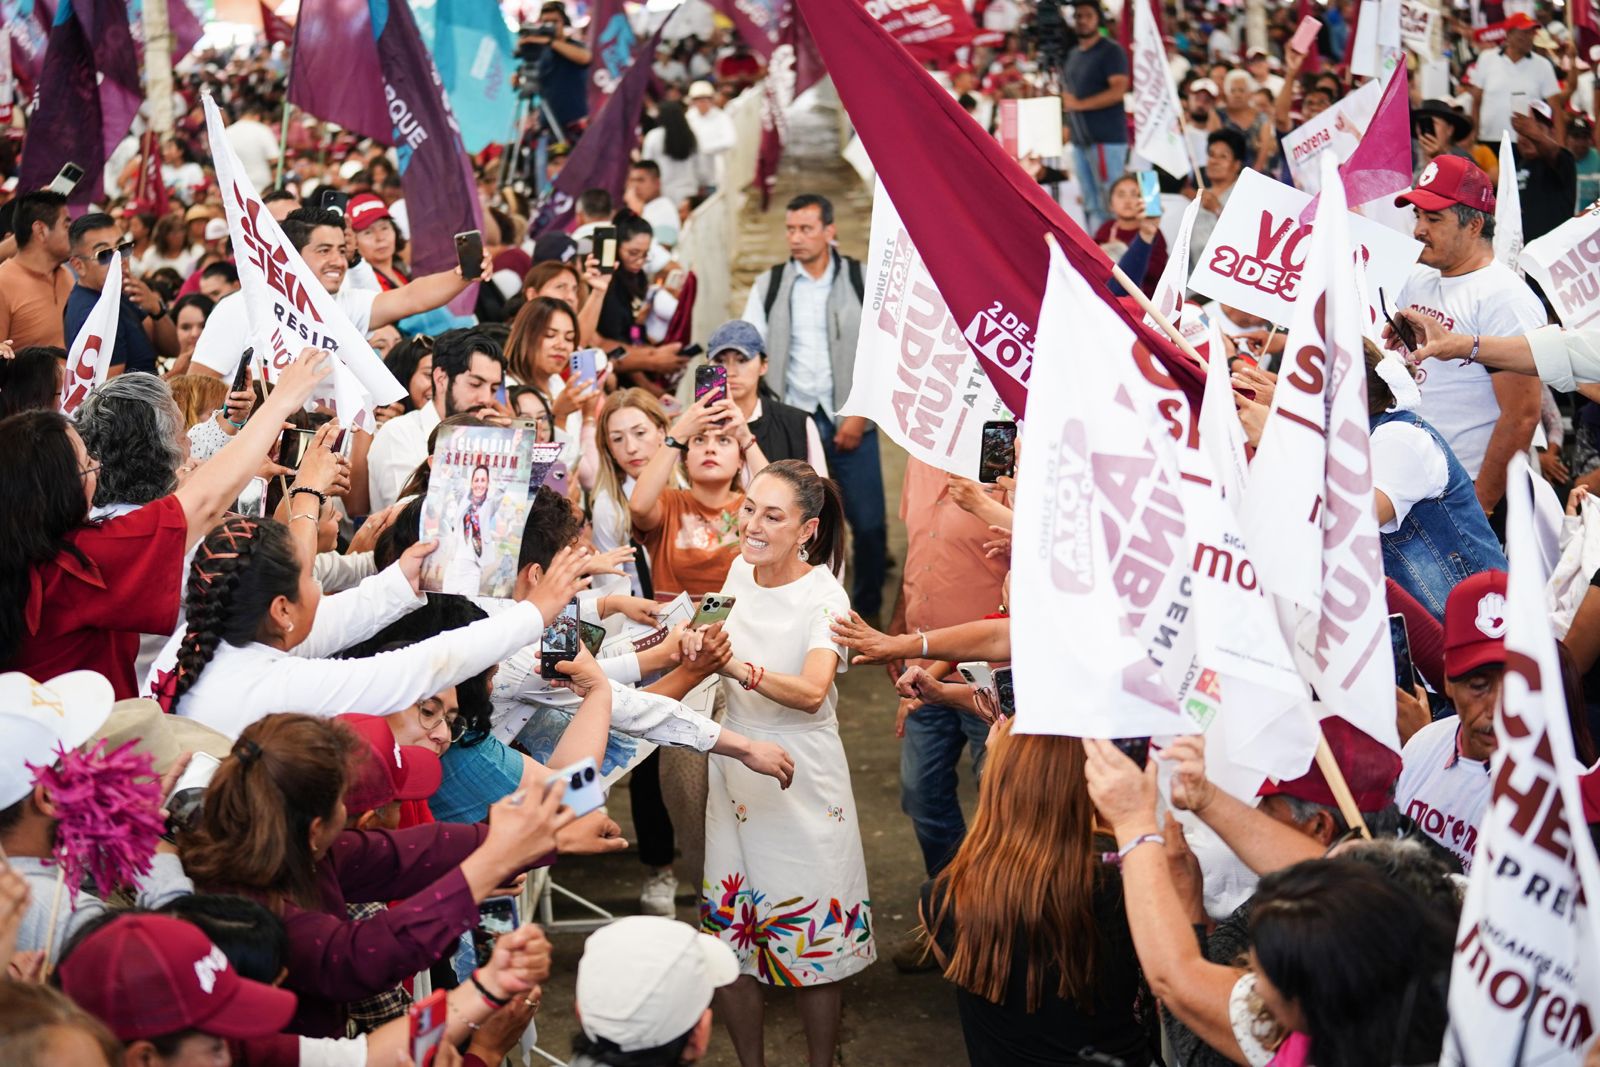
577	781
588	774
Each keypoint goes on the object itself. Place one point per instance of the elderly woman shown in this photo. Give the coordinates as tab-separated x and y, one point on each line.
134	427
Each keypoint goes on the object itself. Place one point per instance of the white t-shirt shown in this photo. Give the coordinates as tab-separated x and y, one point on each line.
782	625
256	148
227	331
680	178
1408	467
1498	77
1458	399
662	215
1444	792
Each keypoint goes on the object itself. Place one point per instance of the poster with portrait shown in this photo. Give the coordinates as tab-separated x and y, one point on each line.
476	507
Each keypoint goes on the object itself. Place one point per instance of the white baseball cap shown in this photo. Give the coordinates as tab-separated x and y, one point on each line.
28	741
644	981
71	706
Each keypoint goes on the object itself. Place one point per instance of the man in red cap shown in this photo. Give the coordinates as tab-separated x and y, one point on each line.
1505	80
1444	785
1483	417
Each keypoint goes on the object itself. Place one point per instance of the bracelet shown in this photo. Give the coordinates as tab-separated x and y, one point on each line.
754	677
924	643
322	498
303	515
1122	853
483	990
235	425
1472	357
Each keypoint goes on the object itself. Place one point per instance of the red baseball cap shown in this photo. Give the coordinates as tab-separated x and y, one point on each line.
1370	769
1450	180
150	975
408	772
1475	623
366	209
1521	20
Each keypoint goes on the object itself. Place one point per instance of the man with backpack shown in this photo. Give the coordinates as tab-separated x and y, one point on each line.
809	311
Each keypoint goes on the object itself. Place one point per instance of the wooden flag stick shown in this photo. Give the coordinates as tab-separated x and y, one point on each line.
1161	320
1340	787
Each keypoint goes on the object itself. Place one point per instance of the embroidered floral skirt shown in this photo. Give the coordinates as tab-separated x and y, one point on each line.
786	881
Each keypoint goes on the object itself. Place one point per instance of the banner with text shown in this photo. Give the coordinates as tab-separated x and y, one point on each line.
915	374
89	359
1157	117
931	30
1256	258
1525	985
1417	18
1338	130
1566	264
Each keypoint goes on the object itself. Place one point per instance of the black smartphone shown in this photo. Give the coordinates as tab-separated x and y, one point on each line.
605	248
710	380
292	447
241	377
1401	327
691	350
333	200
1405	671
592	636
997	456
469	253
559	643
617	352
66	179
1004	695
1135	748
497	916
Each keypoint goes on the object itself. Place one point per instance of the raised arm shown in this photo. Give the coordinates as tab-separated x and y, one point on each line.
644	505
423	294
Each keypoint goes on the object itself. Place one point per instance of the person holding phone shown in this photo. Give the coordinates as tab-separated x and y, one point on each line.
630	430
782	430
585	291
1500	75
144	327
543	337
1145	248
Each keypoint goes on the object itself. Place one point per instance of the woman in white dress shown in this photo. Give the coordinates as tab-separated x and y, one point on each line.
786	880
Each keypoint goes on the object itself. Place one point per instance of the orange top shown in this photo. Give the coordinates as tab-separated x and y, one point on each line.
32	305
692	549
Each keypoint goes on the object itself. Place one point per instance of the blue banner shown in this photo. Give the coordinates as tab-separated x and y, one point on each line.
472	48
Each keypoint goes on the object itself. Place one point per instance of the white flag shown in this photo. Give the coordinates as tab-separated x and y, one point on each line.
1221	433
1173	284
1308	514
89	358
1525	986
1508	209
1157	120
287	306
915	374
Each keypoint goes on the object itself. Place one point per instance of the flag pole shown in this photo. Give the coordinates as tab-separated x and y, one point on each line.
1149	309
1341	788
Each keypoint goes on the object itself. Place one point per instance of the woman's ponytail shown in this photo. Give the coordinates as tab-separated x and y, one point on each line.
818	498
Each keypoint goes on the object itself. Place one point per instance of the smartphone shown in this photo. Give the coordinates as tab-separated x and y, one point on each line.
1305	35
585	366
1135	748
1405	671
1150	189
241	377
1004	695
714	607
997	456
333	200
292	447
585	793
691	350
469	253
1402	327
560	642
977	674
605	248
188	794
428	1019
497	915
66	179
592	636
710	380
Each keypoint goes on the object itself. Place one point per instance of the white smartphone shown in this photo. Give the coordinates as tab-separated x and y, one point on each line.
584	790
977	674
66	179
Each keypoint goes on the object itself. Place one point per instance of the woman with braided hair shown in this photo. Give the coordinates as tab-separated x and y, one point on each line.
75	594
259	629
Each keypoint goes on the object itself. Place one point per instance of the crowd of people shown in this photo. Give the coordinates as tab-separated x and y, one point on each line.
214	605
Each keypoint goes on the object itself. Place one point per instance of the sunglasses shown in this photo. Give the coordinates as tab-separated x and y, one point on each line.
103	257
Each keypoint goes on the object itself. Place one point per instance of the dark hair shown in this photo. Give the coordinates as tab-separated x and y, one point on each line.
649	166
251	936
279	194
818	498
302	222
596	203
1577	708
678	139
527	390
1365	961
28	381
132	426
166	281
402	361
823	205
453	351
442	612
43	490
1380	398
552	525
403	532
611	1054
1233	139
527	335
239	569
94	220
41	206
226	271
197	300
630	226
285	771
1465	215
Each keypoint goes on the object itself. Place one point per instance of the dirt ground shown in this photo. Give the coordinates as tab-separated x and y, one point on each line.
890	1019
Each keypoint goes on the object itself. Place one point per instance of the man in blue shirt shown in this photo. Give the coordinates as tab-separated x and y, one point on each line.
563	65
1094	79
143	327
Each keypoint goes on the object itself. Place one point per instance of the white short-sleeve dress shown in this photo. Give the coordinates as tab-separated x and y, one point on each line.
785	877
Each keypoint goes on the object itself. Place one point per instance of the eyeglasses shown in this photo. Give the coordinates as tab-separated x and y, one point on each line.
431	713
103	257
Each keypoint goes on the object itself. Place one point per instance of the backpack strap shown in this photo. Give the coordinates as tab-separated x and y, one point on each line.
855	279
774	282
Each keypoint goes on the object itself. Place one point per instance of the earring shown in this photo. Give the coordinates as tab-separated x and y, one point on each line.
803	556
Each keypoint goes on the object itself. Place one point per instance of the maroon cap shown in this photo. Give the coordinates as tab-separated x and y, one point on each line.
1475	623
1450	180
150	975
409	772
365	209
1370	769
1589	790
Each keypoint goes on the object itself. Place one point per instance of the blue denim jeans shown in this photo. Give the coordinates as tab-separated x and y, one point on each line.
929	755
1097	166
860	478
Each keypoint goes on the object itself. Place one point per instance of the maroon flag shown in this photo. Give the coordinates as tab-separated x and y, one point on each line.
931	30
611	41
757	22
977	219
335	73
276	29
793	68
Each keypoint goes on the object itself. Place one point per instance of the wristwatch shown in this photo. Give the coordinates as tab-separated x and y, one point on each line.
673	442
